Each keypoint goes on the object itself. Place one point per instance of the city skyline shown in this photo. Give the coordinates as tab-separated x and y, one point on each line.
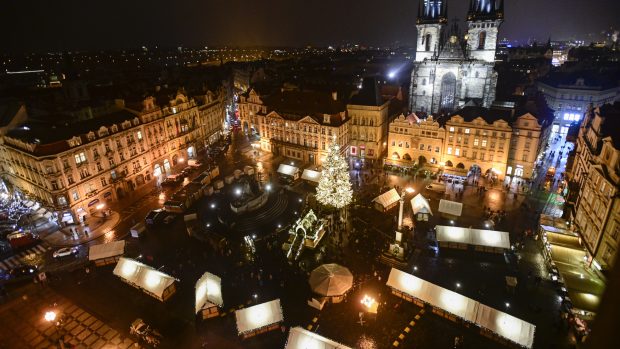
72	25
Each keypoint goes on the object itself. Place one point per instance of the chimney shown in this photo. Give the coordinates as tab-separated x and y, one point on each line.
335	96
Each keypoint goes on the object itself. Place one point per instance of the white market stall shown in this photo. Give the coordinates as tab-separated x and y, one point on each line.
209	295
450	209
387	200
421	208
259	319
298	338
482	240
146	278
289	171
311	177
108	253
451	305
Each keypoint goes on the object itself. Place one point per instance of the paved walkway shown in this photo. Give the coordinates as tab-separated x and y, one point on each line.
74	235
22	324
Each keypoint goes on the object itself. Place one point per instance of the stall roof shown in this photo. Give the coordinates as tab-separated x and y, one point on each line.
208	291
388	198
298	338
450	207
553	221
287	169
310	175
552	229
143	276
567	255
259	316
505	325
490	238
110	249
563	240
420	204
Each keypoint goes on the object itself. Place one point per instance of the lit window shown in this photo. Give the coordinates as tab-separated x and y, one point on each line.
449	150
457	152
139	134
80	158
451	129
476	142
484	142
467	130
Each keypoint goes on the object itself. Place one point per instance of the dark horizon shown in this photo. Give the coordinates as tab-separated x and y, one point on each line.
71	25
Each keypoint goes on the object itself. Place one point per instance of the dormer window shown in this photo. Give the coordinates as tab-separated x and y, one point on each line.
90	136
114	128
326	119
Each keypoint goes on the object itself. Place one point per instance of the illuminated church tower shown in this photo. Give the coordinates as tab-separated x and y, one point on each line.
432	18
483	21
451	70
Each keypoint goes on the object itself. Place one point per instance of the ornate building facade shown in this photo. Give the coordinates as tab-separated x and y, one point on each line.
296	124
480	140
447	72
71	167
596	178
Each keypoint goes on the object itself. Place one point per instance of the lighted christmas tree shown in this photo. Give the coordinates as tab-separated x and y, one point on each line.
334	189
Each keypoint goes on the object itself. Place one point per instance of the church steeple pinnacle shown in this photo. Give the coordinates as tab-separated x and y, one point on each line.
481	10
432	11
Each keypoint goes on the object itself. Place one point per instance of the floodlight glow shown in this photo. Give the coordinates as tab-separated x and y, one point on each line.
490	237
391	74
212	205
50	316
238	191
410	190
453	302
153	278
129	268
268	187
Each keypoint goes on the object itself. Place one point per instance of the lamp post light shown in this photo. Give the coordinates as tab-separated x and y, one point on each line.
50	316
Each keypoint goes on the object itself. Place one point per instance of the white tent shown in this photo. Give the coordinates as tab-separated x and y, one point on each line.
288	170
419	204
258	317
29	203
208	292
298	338
330	280
146	278
311	176
103	253
452	208
387	200
506	325
502	324
48	215
477	237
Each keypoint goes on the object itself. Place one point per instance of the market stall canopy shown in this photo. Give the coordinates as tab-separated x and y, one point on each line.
110	249
450	207
298	338
310	175
288	170
259	316
477	237
504	325
388	198
47	215
419	204
331	280
208	291
144	277
29	203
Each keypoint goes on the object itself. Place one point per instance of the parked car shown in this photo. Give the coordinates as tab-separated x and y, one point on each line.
145	332
168	219
194	163
172	179
23	272
154	217
186	171
65	252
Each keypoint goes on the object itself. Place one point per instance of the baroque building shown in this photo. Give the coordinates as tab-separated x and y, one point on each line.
71	166
494	142
595	179
448	72
296	124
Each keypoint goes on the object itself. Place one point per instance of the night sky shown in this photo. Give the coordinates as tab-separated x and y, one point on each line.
98	24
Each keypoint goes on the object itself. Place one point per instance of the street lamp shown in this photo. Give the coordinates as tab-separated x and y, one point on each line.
50	316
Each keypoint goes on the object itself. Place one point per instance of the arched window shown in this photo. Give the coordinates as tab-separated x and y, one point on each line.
448	91
423	82
482	38
427	43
